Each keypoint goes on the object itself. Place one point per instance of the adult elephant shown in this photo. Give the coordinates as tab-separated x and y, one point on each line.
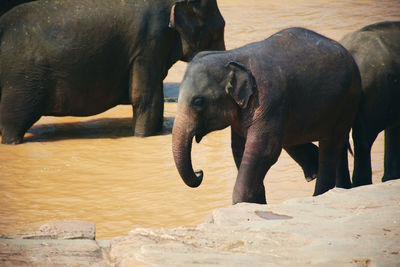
291	89
80	58
376	49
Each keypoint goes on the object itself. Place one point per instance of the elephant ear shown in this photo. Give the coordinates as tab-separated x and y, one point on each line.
185	18
240	83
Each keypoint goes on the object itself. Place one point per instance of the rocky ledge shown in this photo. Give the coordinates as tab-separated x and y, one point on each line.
357	227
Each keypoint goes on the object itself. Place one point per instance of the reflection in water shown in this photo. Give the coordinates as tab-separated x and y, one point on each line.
91	168
97	128
94	128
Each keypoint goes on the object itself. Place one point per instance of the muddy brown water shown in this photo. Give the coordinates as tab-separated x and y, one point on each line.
91	169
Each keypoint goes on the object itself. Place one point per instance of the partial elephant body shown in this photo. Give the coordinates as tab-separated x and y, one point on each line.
293	88
6	5
80	58
376	49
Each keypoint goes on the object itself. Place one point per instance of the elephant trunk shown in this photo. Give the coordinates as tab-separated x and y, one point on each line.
182	138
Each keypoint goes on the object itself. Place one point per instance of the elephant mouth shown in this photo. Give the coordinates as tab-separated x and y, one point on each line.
199	137
200	134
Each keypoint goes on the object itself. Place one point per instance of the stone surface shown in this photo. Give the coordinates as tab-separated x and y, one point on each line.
62	230
357	227
27	252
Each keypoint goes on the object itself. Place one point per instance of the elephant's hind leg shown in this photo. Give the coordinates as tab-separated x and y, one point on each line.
329	152
392	154
342	170
306	155
362	171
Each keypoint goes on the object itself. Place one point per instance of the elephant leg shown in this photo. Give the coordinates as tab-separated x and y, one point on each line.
261	152
306	155
329	152
147	98
392	154
237	145
342	170
363	140
18	112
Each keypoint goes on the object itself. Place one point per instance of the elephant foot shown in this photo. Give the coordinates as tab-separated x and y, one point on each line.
12	137
146	133
311	177
322	187
11	140
387	178
360	182
257	196
144	128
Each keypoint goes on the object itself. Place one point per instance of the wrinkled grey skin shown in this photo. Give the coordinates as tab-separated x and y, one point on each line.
82	57
376	49
291	89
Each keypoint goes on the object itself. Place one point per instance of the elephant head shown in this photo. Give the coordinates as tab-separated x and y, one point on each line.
213	95
200	26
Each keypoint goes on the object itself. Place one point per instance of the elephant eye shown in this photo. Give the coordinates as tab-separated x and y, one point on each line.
198	102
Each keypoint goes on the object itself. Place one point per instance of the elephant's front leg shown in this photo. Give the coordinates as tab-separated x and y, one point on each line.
261	152
237	144
147	97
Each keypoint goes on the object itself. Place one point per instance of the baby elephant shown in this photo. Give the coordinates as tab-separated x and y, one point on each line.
291	89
